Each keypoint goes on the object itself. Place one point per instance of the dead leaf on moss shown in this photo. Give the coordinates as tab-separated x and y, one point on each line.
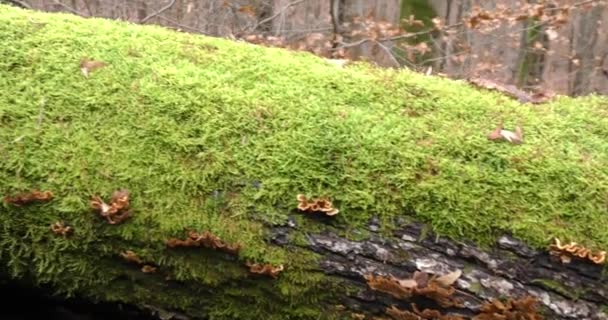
500	134
29	197
87	66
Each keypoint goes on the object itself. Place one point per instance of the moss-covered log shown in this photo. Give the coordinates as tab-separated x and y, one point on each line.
214	140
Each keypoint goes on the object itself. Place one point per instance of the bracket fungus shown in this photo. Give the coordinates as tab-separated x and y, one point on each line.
264	269
132	257
59	228
416	314
437	288
205	239
524	308
118	209
28	197
316	205
567	251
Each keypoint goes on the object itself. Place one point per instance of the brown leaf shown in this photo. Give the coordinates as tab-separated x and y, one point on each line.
248	10
500	134
87	66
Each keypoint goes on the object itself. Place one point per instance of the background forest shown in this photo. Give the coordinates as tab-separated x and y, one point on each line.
556	46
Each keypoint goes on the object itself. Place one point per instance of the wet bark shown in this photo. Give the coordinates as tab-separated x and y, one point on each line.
508	269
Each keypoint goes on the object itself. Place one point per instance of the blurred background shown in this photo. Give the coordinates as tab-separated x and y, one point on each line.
558	46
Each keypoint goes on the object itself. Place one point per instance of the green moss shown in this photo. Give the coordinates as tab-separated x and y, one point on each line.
218	135
560	288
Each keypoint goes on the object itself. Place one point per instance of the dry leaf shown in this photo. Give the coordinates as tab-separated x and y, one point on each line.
87	66
500	134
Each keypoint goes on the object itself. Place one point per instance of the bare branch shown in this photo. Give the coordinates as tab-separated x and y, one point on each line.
389	54
86	4
20	3
181	26
399	37
448	27
70	9
163	9
287	6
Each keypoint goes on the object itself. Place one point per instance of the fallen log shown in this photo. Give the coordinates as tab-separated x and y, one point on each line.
204	178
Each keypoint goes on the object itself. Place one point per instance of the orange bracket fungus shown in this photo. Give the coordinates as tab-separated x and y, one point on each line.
316	205
117	210
567	251
205	239
436	288
59	228
131	256
264	269
416	314
524	308
29	197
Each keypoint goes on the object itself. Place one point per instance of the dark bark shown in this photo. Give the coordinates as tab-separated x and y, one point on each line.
508	269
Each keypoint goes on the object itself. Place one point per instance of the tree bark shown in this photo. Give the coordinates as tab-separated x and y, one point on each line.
508	269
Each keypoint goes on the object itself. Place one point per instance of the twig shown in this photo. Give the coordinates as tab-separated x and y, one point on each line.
163	9
399	37
389	53
412	35
182	26
70	9
41	113
86	4
20	3
272	17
